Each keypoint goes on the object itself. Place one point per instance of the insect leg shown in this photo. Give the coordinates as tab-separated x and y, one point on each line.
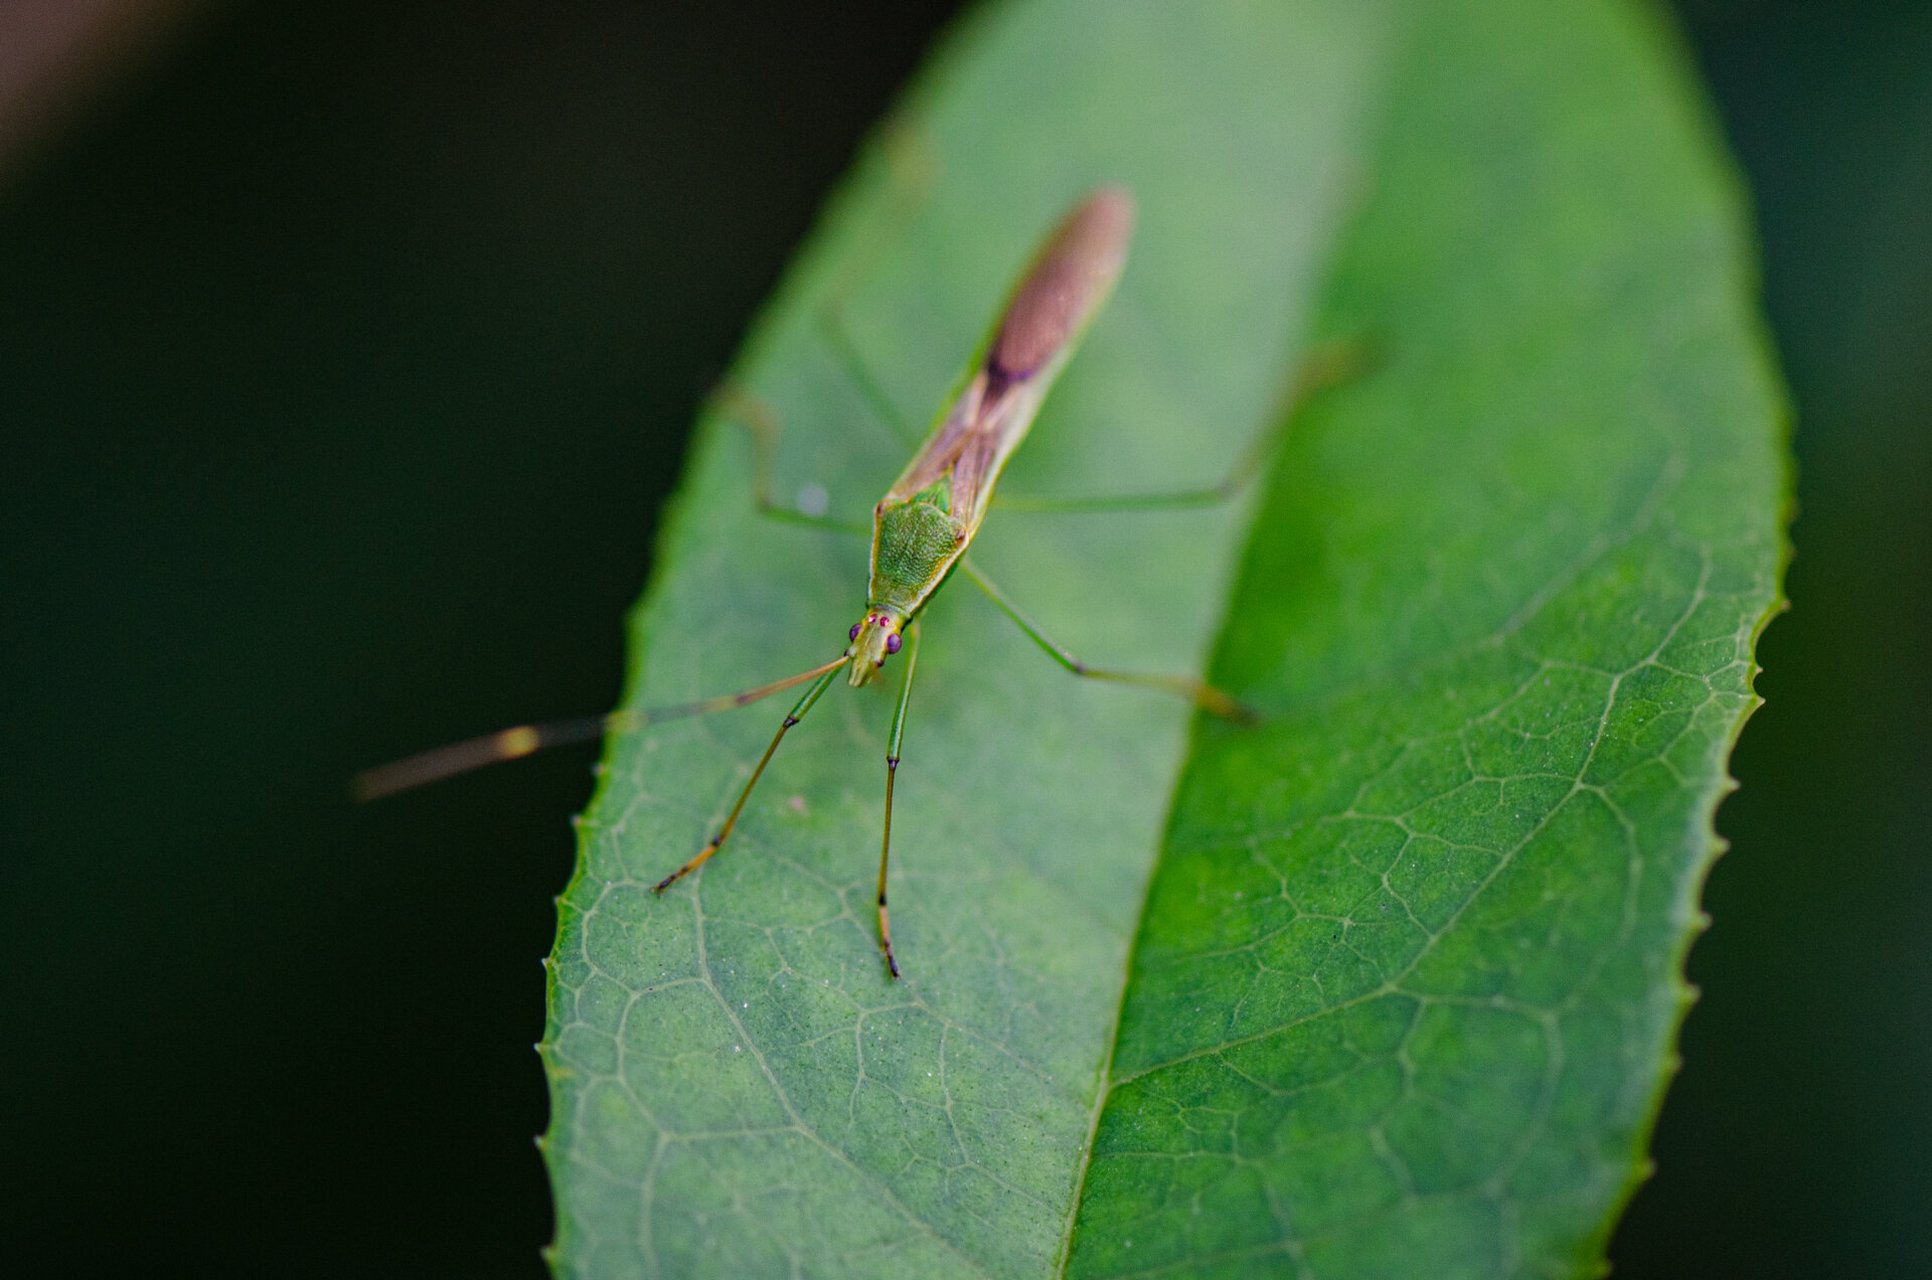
1324	367
792	717
1197	691
892	771
761	420
911	166
846	349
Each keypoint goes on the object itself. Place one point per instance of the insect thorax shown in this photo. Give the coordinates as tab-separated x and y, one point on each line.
914	542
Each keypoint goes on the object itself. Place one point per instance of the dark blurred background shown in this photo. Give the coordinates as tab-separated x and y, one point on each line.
345	357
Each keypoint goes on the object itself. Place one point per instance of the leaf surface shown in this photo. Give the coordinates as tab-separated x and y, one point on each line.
1384	986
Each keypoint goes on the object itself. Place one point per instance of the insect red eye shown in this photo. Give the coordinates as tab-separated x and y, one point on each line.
892	643
855	631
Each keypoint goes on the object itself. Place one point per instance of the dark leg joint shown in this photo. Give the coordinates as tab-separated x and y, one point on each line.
892	764
790	721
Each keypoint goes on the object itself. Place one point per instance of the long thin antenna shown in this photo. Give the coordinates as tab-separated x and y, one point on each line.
521	740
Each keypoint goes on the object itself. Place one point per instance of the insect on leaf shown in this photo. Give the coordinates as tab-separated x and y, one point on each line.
1383	986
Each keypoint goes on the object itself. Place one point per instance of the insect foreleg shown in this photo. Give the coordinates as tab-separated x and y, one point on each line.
892	772
716	842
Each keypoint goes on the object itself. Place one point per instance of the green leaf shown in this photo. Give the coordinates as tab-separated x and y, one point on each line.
1384	986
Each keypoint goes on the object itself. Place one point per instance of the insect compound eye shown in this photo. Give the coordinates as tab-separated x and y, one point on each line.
854	634
893	642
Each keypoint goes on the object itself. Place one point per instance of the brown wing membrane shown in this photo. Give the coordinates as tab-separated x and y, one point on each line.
1067	281
1069	278
938	453
978	456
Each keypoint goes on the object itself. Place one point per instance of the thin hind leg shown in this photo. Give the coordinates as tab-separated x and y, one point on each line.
1324	367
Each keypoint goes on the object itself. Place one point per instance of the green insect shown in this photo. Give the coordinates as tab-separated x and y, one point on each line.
921	531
